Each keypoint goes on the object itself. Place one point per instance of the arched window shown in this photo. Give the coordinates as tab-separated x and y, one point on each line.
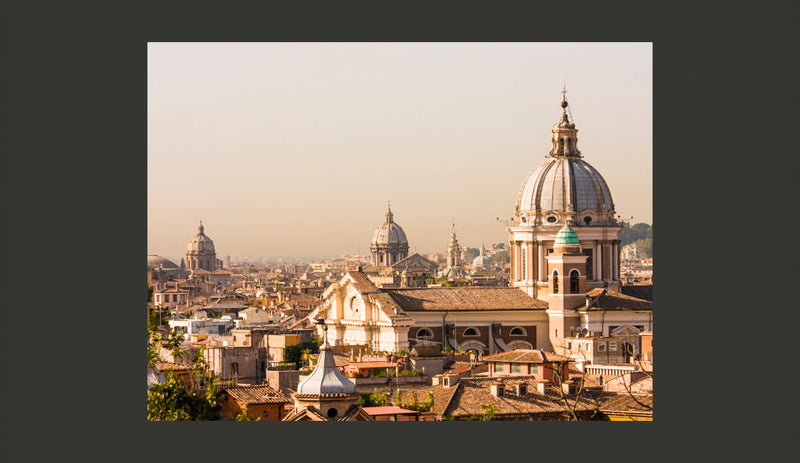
471	332
573	282
424	333
555	281
518	331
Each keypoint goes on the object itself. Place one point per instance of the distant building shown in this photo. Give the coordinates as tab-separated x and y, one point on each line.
200	253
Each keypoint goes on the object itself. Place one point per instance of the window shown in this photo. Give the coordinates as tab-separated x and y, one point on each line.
424	333
569	345
524	263
517	331
471	332
588	347
573	282
498	367
601	347
612	346
516	368
555	281
533	369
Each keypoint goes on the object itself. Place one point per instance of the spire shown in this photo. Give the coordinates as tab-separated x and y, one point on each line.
565	135
389	215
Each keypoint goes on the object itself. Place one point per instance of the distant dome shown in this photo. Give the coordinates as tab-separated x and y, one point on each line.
200	243
389	233
482	260
154	261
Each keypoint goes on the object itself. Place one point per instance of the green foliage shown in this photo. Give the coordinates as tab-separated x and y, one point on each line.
411	373
501	257
378	398
646	245
293	354
488	413
470	254
174	400
244	416
415	404
500	246
150	291
357	374
640	231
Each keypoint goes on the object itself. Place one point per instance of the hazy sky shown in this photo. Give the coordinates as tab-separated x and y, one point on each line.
293	149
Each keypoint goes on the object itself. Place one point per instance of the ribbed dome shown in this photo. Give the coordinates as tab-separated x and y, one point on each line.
559	182
201	243
154	261
566	236
326	378
482	261
564	185
389	232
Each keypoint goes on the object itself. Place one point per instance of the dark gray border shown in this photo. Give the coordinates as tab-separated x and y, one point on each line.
74	172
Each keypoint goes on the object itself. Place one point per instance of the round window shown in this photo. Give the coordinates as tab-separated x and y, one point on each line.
332	412
552	219
587	219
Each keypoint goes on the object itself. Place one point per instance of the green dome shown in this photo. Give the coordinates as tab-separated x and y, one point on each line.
566	236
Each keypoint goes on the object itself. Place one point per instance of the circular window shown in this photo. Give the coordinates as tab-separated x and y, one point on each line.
332	412
587	219
552	219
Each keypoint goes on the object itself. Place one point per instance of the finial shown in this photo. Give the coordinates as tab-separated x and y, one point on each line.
564	96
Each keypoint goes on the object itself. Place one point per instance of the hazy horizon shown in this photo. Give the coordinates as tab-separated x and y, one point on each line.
294	149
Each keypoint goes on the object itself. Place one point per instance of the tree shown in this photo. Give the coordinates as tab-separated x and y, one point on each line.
500	246
501	257
194	399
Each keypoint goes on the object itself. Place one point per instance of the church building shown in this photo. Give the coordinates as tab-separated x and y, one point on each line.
564	293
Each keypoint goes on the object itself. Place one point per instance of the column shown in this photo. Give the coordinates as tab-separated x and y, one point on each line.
598	261
542	266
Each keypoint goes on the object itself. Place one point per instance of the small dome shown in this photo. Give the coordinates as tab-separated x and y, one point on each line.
482	261
201	242
326	378
566	236
154	261
389	232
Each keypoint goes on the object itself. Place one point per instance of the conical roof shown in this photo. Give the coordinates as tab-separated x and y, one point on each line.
326	378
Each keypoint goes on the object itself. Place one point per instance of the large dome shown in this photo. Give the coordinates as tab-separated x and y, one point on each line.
564	186
389	233
154	261
201	243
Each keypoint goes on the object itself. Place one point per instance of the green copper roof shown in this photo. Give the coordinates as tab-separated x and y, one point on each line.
566	236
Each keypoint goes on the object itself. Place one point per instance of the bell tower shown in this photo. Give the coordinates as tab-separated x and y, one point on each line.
566	268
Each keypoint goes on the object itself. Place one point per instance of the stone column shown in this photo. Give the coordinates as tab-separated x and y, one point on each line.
542	267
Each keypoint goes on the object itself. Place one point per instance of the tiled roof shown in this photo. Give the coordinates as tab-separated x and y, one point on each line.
465	298
362	365
605	299
374	411
526	356
625	403
361	282
247	395
638	291
465	399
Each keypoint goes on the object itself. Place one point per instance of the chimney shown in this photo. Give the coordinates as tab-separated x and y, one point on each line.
541	386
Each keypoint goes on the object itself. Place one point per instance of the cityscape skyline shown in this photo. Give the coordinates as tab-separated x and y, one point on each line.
295	149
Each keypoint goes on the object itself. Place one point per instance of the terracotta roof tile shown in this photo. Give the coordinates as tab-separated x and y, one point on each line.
247	395
605	299
465	298
526	356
